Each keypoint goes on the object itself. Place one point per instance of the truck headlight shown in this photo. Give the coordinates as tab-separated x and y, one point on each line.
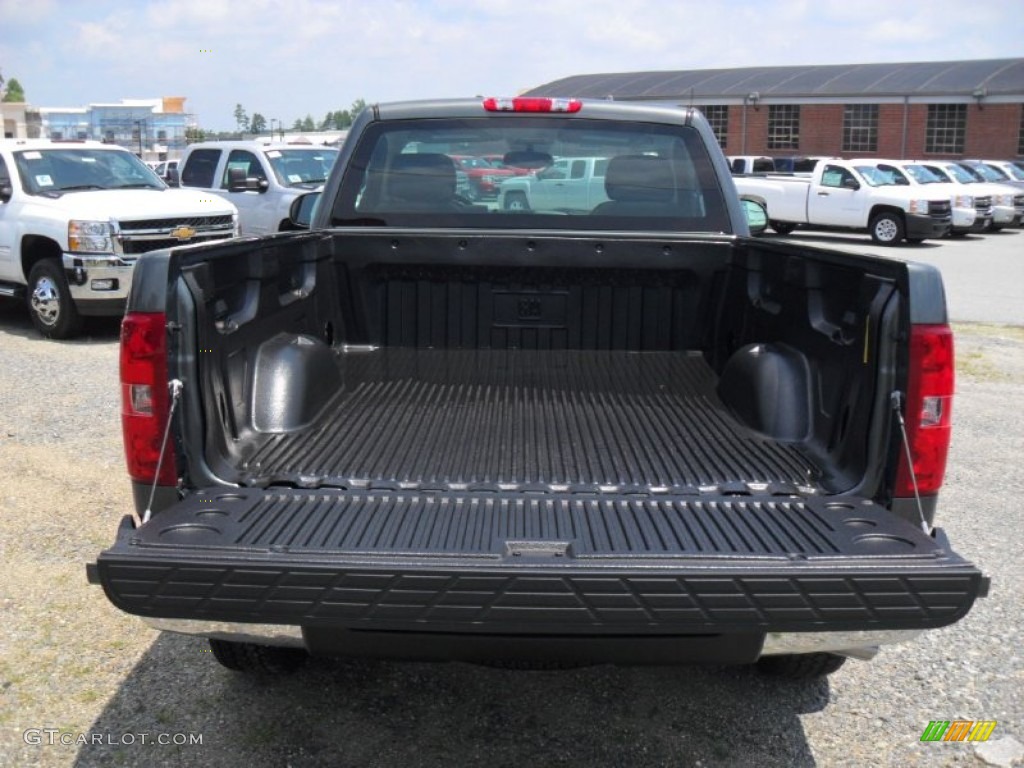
1006	200
919	206
90	236
963	201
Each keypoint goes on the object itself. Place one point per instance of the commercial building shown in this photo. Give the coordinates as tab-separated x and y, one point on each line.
941	109
152	128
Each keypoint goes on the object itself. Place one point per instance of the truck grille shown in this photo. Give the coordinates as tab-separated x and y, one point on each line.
983	205
144	235
1018	203
940	209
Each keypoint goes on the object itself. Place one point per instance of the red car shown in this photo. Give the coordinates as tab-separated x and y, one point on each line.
484	176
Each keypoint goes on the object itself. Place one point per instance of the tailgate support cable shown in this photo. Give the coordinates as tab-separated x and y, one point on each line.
175	386
897	401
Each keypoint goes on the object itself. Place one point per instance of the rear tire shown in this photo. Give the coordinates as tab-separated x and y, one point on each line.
887	228
257	659
516	201
800	666
50	304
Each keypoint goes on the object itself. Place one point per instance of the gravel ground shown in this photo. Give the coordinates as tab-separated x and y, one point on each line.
74	665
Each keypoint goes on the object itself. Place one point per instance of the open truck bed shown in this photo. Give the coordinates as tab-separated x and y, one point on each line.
527	420
522	492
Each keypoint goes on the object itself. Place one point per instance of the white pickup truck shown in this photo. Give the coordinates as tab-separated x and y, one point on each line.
260	178
971	213
74	218
570	184
850	195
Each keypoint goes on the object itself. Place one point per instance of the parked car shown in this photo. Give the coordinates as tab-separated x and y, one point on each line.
850	195
567	184
260	178
483	176
992	173
163	170
74	218
744	164
1007	204
626	434
970	213
1012	168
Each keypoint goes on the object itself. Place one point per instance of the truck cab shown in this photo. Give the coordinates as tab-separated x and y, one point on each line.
260	178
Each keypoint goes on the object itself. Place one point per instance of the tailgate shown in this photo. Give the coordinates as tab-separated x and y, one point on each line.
523	563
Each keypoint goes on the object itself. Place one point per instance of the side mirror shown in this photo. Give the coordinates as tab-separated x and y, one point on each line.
239	182
851	184
303	209
6	191
756	215
173	178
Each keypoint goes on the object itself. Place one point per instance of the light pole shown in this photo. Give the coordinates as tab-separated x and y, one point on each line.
272	121
139	124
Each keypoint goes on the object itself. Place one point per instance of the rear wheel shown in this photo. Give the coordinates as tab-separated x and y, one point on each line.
257	659
887	228
516	201
800	666
49	301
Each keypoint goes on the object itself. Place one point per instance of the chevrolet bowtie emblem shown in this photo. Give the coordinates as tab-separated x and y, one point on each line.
183	233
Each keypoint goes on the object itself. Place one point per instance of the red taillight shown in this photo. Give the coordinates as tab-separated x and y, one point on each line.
532	104
929	409
144	397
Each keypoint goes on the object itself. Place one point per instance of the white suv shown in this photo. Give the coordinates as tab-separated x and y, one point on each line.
260	178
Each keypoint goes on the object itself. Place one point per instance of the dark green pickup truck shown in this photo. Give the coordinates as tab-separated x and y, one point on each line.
436	428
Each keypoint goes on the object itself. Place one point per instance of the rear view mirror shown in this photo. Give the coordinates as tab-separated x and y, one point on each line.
528	159
851	184
6	191
756	215
173	178
302	210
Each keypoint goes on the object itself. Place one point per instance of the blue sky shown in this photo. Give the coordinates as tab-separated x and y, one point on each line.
286	59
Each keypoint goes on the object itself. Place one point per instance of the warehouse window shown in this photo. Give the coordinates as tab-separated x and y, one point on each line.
860	128
1020	134
784	126
718	116
946	128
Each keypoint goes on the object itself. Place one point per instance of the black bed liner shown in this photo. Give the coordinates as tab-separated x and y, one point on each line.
527	419
515	563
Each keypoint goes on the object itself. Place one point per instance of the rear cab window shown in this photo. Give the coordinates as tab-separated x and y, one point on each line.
594	175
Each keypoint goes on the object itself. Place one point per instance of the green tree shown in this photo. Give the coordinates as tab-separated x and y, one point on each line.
14	90
241	118
194	134
357	106
297	125
328	122
258	123
308	124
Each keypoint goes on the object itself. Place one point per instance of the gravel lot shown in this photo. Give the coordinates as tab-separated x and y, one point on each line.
73	664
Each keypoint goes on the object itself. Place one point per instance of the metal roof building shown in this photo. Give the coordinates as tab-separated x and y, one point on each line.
949	108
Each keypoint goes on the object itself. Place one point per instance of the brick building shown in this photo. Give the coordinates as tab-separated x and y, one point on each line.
935	109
